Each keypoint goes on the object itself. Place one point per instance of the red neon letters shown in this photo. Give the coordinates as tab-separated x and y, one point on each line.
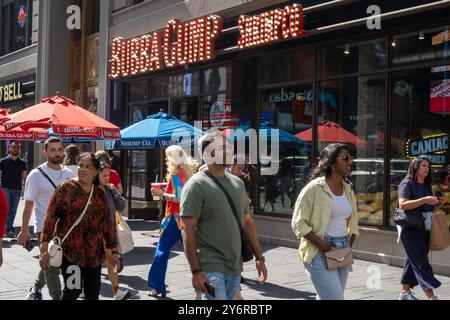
184	43
278	24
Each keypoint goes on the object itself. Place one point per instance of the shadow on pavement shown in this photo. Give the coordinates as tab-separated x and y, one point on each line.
135	284
144	256
143	225
271	290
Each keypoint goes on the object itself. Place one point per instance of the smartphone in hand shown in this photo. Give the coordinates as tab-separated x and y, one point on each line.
210	289
29	246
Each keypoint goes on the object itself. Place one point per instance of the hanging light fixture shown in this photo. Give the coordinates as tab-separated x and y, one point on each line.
346	49
393	42
421	35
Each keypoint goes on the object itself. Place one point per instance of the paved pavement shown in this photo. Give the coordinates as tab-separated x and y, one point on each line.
287	279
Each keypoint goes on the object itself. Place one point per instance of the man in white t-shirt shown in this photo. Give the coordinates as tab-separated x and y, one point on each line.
39	188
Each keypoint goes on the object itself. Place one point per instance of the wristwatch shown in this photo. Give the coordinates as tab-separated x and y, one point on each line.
261	258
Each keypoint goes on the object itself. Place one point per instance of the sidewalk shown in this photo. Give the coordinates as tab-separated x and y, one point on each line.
287	279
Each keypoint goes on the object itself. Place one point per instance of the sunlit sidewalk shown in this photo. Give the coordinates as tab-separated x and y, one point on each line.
287	279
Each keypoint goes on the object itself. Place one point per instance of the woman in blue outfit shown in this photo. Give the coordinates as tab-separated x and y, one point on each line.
415	192
180	169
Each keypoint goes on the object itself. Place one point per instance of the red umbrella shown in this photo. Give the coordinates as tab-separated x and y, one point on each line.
329	131
19	133
65	118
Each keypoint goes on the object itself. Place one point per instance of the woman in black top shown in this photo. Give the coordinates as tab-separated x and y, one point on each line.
415	192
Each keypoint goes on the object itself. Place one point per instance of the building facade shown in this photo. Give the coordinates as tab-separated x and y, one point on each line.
18	61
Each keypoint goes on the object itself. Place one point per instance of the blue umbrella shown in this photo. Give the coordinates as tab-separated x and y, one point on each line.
284	136
156	131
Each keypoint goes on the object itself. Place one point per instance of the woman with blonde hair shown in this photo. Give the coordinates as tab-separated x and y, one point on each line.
180	168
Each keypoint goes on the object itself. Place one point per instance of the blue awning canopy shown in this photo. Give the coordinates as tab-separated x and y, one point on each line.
156	131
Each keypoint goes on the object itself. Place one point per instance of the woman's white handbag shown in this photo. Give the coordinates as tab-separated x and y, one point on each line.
55	253
55	250
125	241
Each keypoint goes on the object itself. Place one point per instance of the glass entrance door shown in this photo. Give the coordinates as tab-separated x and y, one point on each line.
144	166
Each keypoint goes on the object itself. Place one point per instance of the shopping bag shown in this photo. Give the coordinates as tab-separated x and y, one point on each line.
439	235
124	235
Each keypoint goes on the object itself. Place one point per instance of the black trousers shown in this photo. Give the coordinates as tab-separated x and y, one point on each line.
417	268
78	279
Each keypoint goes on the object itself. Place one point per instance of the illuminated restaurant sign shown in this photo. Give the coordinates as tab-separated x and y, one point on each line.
278	24
434	147
11	92
194	41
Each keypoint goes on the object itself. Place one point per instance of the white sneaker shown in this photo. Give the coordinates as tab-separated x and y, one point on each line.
34	295
122	295
433	297
408	295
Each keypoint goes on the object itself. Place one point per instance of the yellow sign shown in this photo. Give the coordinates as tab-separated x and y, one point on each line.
11	92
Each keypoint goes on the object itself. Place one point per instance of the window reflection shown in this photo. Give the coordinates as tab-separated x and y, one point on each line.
287	67
420	126
353	58
421	46
351	112
288	110
217	79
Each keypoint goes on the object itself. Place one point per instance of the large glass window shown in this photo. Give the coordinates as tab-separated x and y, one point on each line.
180	85
351	112
16	25
287	67
218	113
217	79
421	125
353	58
288	110
421	46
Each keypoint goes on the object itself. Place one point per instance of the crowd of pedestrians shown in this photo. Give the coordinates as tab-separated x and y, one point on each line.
75	199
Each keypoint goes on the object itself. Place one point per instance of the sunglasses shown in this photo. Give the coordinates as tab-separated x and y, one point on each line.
346	158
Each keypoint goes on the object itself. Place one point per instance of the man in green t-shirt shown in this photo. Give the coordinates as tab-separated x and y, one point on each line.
212	241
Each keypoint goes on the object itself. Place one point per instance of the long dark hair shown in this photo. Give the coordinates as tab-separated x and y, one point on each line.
95	163
72	153
328	157
414	167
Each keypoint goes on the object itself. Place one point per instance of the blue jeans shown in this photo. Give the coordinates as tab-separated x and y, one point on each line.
225	285
157	275
13	197
329	284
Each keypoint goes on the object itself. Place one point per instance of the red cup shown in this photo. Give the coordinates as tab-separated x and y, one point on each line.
160	186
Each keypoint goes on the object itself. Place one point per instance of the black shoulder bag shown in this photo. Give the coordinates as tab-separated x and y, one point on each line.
48	178
410	219
246	250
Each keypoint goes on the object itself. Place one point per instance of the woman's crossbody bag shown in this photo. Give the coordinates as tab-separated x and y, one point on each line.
55	251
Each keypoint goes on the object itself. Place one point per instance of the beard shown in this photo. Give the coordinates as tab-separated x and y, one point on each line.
55	160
